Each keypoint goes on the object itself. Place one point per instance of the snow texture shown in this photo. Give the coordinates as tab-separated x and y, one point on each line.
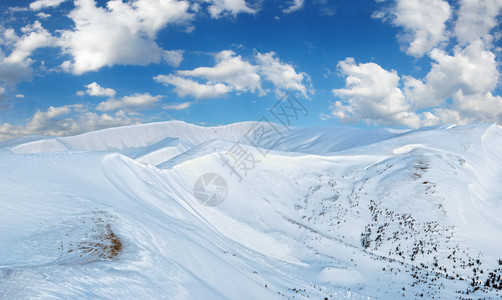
335	213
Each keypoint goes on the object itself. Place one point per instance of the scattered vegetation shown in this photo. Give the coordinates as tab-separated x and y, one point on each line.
90	238
424	248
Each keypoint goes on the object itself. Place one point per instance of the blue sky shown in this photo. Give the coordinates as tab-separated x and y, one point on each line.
68	67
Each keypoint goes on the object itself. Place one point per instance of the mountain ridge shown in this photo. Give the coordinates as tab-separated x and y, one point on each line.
413	215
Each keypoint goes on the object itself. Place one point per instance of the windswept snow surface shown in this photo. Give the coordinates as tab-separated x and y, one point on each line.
334	213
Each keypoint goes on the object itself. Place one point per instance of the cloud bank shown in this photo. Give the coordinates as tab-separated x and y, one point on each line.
232	73
459	85
66	120
119	34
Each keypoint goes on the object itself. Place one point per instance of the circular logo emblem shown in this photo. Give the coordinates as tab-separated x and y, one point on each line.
210	189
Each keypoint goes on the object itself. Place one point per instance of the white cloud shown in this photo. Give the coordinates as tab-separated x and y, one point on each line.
325	116
173	57
50	122
94	89
66	120
476	19
3	98
19	96
188	87
43	121
13	73
34	37
41	4
372	94
460	84
177	106
43	15
122	33
471	71
423	22
458	89
294	6
230	69
326	7
17	65
8	131
234	74
16	9
130	103
219	8
282	75
447	116
483	107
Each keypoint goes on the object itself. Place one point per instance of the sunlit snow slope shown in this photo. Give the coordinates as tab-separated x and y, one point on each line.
324	213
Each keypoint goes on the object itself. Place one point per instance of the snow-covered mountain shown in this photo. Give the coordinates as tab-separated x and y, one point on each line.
307	213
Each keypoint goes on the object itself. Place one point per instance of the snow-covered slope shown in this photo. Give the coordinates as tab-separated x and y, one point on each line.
324	212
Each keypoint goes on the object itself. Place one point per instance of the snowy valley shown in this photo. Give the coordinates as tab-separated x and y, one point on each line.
320	213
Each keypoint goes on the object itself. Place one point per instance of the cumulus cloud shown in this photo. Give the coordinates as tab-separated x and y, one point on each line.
173	57
219	8
34	37
8	131
118	34
177	106
94	89
115	32
18	65
476	19
294	6
372	94
459	85
42	4
458	89
231	69
483	107
281	74
45	121
423	22
43	15
232	73
470	71
66	120
188	87
130	103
